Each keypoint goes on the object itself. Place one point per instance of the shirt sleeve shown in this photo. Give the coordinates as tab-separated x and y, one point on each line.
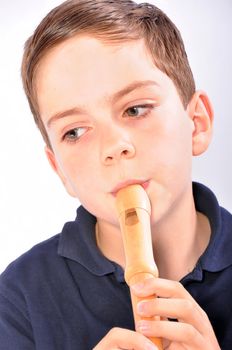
15	328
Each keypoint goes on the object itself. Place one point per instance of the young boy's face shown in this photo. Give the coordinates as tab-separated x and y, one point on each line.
113	117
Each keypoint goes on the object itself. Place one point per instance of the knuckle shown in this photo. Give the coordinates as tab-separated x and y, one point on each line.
190	333
120	338
189	307
204	314
114	331
177	285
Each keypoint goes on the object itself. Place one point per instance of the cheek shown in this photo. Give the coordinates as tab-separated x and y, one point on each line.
167	146
80	168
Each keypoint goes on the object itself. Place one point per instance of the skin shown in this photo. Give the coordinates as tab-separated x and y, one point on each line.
87	94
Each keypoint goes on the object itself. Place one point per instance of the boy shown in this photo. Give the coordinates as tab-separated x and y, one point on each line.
111	90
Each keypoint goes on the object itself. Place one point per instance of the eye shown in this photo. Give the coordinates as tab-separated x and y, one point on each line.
73	135
139	111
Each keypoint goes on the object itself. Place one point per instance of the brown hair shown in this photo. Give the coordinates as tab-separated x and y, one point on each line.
110	21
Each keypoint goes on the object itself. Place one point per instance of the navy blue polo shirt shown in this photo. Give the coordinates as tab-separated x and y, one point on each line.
64	294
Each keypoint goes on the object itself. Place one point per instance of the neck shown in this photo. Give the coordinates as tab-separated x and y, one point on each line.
109	241
177	248
178	240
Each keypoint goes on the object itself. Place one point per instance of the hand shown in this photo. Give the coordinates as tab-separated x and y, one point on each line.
119	338
193	330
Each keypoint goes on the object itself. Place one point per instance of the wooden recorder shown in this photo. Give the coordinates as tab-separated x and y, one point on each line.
134	211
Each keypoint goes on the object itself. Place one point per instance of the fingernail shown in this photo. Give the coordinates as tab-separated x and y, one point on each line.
151	346
142	326
140	307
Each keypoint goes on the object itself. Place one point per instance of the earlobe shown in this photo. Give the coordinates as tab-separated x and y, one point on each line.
201	112
55	166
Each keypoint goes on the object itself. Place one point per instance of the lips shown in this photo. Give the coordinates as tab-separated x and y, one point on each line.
143	183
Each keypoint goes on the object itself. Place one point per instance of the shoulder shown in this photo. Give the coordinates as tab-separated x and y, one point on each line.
22	283
31	266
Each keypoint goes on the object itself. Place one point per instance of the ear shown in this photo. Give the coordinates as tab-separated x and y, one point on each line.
56	167
201	112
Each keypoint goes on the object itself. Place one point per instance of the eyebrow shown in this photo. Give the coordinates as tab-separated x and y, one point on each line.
116	96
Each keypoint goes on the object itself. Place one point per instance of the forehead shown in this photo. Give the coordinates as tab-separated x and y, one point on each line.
86	56
84	68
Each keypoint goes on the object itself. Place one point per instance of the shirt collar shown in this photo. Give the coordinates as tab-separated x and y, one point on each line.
78	242
217	255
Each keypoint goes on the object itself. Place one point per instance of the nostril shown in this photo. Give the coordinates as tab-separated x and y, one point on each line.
118	152
108	160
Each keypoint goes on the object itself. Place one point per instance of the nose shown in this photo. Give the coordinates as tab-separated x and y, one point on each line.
116	148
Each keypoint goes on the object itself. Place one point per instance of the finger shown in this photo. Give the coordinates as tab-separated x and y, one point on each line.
118	338
161	287
184	310
173	331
